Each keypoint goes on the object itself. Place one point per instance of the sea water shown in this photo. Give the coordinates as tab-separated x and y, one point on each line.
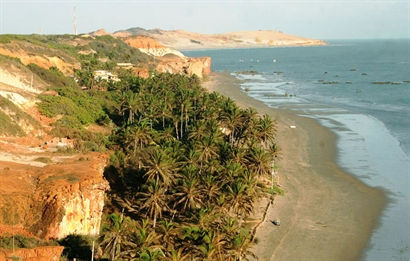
361	91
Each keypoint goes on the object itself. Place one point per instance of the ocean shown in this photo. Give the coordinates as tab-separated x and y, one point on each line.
360	89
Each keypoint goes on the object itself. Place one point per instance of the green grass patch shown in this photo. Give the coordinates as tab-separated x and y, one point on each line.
21	241
43	159
52	76
78	107
8	127
69	177
9	122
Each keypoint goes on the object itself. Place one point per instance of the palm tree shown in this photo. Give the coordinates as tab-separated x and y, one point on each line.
131	105
188	194
138	135
177	255
153	201
116	236
265	130
159	166
169	233
240	202
239	246
145	237
212	245
211	188
151	255
206	149
259	161
231	120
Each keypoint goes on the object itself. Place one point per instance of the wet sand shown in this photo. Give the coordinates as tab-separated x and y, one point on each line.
326	213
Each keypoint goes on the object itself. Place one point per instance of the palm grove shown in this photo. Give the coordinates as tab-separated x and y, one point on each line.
187	169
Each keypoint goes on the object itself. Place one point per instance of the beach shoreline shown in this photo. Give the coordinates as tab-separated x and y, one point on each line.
326	213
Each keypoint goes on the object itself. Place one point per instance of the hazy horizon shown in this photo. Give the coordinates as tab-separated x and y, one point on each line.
327	20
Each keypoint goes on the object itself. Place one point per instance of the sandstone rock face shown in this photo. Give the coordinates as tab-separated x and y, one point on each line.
82	211
141	72
99	32
150	46
167	59
198	66
46	253
56	200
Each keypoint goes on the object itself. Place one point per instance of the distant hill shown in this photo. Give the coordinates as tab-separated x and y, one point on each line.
183	40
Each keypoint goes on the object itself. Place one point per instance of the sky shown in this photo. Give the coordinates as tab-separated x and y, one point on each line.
324	19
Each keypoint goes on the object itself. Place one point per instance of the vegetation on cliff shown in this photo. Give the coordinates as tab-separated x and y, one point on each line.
186	170
187	165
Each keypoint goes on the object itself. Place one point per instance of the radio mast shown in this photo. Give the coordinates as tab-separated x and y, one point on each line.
75	21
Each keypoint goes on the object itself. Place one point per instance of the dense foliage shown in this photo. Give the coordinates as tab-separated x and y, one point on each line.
187	169
187	166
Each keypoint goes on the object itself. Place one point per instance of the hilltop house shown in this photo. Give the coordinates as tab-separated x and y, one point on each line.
125	65
100	75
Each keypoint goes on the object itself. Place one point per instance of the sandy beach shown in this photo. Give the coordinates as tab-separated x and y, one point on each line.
326	213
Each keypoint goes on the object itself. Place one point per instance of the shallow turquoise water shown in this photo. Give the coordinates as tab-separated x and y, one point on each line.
340	86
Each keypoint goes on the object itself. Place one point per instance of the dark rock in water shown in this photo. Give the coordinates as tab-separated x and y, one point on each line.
251	72
330	82
388	82
276	222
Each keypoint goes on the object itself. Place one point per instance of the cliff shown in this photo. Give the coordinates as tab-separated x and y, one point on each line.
150	46
57	199
50	194
198	66
183	40
168	59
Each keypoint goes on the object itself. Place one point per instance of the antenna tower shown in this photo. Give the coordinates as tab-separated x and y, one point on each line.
75	20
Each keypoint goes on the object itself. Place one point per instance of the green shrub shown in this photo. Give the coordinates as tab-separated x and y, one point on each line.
77	246
8	127
43	159
69	122
78	107
53	75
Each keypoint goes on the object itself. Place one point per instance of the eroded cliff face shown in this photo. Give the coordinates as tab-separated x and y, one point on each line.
198	66
55	200
168	59
82	211
150	46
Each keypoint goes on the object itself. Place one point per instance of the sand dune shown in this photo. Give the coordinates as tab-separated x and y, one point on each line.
183	40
